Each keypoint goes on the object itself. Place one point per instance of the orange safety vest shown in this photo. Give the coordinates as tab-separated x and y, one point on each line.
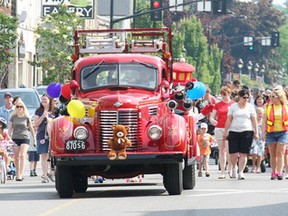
271	118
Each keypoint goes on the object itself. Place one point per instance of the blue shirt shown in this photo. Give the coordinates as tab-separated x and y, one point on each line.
6	113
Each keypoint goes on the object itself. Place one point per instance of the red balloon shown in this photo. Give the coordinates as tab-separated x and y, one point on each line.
66	91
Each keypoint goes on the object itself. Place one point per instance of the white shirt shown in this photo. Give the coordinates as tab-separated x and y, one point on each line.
241	118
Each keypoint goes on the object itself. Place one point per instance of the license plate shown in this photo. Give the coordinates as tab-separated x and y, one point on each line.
73	145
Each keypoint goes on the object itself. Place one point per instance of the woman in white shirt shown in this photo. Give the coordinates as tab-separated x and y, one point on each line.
242	126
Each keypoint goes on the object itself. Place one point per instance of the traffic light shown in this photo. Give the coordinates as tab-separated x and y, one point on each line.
251	47
219	7
275	39
249	43
156	15
13	7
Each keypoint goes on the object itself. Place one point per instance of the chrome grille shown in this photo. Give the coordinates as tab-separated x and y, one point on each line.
153	111
124	117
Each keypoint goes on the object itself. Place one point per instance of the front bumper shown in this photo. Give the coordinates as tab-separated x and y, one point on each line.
131	159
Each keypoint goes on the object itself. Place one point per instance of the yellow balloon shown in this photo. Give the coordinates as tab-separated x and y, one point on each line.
76	109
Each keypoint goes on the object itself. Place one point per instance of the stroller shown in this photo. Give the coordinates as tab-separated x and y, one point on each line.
6	154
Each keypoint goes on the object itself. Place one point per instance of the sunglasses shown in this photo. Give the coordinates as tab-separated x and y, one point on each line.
19	107
245	97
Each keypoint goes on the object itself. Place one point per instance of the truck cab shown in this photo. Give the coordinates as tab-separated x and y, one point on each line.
125	77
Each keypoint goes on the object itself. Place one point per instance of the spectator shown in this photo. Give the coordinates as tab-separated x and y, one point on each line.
258	146
4	137
33	156
218	118
204	142
7	109
210	98
241	121
236	85
43	117
260	101
19	127
275	130
255	91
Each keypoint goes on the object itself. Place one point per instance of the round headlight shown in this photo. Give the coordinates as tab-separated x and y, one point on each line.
81	133
155	132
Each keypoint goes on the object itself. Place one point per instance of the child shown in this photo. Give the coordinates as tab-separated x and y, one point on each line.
4	139
258	146
204	140
33	156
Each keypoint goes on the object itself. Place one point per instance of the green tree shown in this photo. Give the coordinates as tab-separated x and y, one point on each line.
54	44
189	35
8	36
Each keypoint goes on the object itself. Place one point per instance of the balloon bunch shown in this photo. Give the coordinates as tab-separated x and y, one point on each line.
75	108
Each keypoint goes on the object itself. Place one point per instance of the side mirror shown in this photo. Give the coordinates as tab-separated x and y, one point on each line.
74	84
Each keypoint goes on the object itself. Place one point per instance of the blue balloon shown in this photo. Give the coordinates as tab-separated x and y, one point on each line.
197	92
54	89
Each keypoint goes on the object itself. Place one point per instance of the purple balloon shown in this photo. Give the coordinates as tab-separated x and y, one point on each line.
54	89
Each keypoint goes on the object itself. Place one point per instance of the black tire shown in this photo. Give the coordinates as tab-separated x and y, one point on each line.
263	167
3	173
64	182
173	179
80	183
189	177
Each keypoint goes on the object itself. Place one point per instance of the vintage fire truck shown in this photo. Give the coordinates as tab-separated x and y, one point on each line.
126	77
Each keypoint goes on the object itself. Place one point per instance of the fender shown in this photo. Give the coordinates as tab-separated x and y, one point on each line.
174	133
62	130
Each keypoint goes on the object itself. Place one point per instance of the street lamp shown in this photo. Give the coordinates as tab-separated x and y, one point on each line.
256	69
240	66
263	68
249	67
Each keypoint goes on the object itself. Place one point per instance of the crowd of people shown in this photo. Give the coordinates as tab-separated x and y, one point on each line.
29	138
247	122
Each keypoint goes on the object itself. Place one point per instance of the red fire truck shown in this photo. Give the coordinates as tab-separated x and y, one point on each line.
126	77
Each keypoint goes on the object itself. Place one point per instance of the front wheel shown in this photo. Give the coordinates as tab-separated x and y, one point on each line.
189	177
3	174
64	181
80	183
173	179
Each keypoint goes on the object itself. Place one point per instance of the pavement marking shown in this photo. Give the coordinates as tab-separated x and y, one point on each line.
54	210
217	192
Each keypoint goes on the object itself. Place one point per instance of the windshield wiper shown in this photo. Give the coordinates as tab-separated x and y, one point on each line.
142	63
94	69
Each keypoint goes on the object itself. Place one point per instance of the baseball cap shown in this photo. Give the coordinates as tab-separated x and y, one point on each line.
8	94
203	125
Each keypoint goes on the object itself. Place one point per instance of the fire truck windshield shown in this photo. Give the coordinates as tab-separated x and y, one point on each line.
134	75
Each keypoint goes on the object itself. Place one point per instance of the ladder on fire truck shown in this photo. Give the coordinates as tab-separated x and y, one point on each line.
142	40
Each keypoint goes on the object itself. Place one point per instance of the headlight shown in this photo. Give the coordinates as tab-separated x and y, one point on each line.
155	132
81	133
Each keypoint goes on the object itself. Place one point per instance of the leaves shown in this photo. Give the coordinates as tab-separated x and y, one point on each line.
54	44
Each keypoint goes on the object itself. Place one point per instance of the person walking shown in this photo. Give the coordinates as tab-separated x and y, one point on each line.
204	140
275	131
258	146
42	119
33	156
19	128
218	118
7	109
242	126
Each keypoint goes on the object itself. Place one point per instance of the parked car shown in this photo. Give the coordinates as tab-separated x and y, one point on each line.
29	96
41	89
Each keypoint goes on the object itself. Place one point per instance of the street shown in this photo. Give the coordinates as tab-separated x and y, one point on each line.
257	195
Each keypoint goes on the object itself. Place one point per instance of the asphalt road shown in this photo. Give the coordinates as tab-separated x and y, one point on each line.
257	195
